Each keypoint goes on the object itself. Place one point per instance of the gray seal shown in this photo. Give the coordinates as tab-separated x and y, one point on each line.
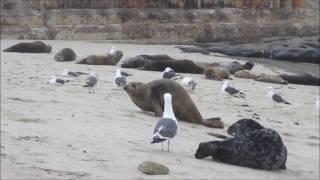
65	54
30	47
252	146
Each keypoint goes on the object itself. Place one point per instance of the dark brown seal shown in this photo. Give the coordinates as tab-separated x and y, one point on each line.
180	66
65	54
149	97
30	47
305	79
108	59
142	60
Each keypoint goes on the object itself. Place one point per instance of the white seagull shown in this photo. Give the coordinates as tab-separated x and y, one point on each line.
91	81
119	80
169	73
66	72
167	126
56	81
189	83
112	50
231	91
275	97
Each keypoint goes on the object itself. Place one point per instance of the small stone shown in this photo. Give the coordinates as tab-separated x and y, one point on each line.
84	151
152	168
296	123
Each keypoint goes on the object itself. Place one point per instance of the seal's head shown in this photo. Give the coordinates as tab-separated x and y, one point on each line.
132	87
243	127
48	48
249	65
205	149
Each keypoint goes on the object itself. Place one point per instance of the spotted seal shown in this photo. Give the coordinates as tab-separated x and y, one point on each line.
252	146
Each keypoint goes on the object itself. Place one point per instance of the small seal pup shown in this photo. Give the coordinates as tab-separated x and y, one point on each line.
259	148
216	73
149	97
29	47
109	59
65	54
167	126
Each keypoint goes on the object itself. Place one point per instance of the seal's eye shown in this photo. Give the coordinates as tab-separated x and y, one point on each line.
134	86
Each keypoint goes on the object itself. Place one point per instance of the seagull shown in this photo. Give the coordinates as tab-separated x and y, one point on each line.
189	83
125	74
112	50
118	79
231	91
91	81
169	73
275	97
56	81
66	72
167	126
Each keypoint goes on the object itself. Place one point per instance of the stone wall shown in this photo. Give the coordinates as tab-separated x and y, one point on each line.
67	20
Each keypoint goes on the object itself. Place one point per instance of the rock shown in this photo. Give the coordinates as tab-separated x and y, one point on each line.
245	74
152	168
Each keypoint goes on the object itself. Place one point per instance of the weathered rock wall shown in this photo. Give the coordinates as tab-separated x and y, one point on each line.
46	19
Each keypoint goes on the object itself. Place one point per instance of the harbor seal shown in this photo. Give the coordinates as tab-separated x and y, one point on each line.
305	79
149	97
142	60
109	59
252	146
235	66
270	79
246	74
180	66
216	73
65	54
29	47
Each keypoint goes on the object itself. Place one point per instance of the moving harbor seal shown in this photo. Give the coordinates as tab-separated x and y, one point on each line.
252	146
65	54
149	97
29	47
108	59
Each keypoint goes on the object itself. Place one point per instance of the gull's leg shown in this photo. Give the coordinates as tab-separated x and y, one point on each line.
162	147
168	145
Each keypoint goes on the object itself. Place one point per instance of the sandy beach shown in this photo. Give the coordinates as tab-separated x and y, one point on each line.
50	132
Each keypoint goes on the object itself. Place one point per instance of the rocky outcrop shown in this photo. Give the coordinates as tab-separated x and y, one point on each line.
115	20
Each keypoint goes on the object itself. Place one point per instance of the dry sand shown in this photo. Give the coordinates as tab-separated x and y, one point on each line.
64	132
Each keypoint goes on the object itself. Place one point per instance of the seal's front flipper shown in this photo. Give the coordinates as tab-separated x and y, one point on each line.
213	122
157	108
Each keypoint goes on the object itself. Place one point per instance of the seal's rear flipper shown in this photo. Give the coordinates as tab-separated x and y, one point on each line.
80	73
220	136
213	122
81	61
